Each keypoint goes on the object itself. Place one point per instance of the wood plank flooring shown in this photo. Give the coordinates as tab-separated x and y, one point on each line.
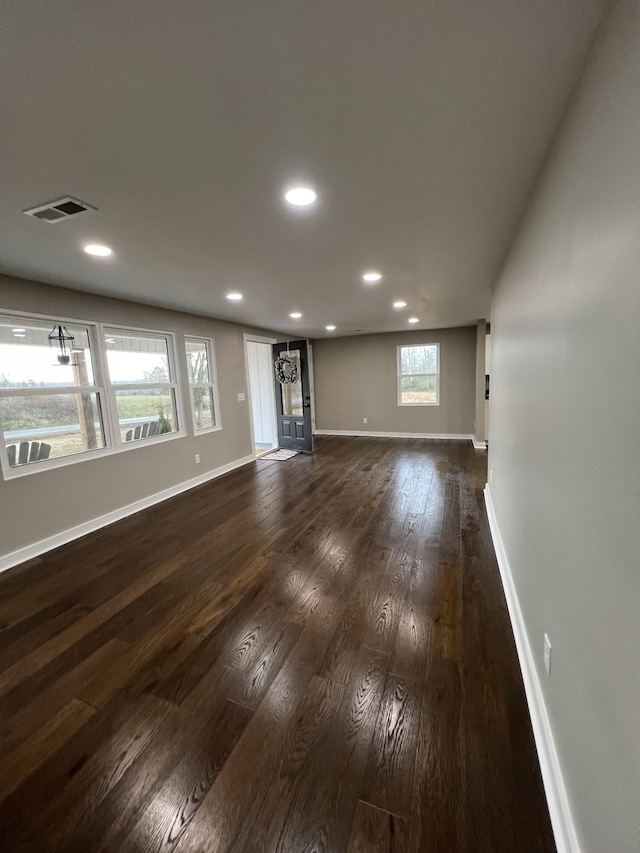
311	655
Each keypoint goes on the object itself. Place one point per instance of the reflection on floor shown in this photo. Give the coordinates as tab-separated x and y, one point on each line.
310	656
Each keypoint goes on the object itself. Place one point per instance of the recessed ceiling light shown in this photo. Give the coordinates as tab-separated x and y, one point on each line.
399	304
18	330
98	250
300	196
295	315
371	276
19	335
414	320
234	297
110	340
330	328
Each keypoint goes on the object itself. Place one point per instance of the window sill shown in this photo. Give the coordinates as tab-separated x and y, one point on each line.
147	442
62	461
197	432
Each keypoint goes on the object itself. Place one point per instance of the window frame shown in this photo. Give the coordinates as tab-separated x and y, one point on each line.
212	384
400	375
111	388
12	472
105	390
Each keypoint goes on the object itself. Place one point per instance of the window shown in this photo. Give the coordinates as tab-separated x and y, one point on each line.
419	375
202	384
142	384
51	406
109	389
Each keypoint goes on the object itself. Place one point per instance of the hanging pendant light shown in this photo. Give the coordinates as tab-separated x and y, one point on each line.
61	336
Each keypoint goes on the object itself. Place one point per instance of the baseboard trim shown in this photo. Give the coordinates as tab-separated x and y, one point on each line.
479	445
7	561
453	436
562	820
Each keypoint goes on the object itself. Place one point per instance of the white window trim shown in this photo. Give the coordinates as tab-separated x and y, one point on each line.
102	387
399	373
212	383
111	388
12	473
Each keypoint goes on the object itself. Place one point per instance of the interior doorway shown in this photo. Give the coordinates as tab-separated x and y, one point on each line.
262	401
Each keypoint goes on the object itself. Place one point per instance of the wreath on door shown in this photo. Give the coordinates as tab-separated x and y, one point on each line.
286	370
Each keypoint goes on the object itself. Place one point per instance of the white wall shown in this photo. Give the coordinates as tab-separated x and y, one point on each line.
565	436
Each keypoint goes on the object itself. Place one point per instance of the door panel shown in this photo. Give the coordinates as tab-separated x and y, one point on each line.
263	401
293	400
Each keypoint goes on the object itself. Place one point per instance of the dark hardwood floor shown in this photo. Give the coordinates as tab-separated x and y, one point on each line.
311	655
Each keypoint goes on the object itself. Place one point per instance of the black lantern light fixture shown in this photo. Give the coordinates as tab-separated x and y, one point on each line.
61	336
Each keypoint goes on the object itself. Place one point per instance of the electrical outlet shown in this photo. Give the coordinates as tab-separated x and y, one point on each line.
547	654
365	421
197	458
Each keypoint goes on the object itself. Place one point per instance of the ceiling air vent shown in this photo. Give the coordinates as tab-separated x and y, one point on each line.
59	210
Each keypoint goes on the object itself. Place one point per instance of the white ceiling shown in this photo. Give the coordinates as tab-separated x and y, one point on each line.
421	123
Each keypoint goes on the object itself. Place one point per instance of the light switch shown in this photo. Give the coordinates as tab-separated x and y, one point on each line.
241	397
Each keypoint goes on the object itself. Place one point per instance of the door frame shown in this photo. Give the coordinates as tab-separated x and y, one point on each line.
310	389
259	339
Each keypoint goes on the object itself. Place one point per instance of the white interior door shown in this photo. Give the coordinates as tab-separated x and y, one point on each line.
261	393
